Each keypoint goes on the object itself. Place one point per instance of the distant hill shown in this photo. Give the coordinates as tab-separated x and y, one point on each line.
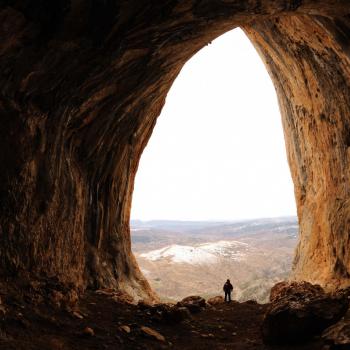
180	258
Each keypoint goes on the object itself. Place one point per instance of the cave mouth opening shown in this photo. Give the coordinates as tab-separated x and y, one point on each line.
214	170
78	106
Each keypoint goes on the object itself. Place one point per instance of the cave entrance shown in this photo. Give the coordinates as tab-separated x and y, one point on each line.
215	165
79	101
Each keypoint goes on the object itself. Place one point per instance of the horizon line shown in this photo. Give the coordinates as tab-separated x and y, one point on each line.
219	220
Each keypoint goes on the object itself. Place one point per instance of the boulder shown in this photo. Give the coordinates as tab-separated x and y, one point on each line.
159	312
169	313
193	303
125	328
299	311
216	300
152	333
304	289
88	331
337	336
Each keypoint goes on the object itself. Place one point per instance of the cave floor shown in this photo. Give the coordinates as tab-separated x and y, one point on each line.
228	326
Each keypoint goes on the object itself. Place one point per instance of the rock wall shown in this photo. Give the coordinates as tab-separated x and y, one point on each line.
308	60
82	84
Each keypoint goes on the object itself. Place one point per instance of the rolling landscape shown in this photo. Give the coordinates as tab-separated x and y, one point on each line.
182	258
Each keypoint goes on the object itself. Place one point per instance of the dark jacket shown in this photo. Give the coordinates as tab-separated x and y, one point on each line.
228	287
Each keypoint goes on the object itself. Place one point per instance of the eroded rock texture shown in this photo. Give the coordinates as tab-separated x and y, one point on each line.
308	59
81	86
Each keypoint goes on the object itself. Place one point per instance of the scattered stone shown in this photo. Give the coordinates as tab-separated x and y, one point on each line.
169	314
216	300
158	312
88	331
152	333
192	303
125	328
300	311
77	315
194	300
210	335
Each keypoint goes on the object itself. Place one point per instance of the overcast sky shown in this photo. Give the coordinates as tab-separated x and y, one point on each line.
217	151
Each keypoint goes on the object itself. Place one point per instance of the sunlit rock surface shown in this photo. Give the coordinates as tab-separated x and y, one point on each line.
310	69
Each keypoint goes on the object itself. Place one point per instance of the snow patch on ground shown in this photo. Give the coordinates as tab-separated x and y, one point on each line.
227	249
181	254
205	253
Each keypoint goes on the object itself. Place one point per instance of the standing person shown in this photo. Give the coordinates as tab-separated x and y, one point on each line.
228	287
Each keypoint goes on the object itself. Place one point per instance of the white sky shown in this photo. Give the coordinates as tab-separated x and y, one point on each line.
217	151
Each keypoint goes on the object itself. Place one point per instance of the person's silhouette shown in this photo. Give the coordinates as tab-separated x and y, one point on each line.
228	289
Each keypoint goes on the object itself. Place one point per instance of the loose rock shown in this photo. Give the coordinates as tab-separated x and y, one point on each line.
216	300
193	303
88	331
125	329
169	314
153	333
77	315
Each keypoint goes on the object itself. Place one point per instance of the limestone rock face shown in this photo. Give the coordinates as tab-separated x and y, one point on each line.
81	86
311	75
